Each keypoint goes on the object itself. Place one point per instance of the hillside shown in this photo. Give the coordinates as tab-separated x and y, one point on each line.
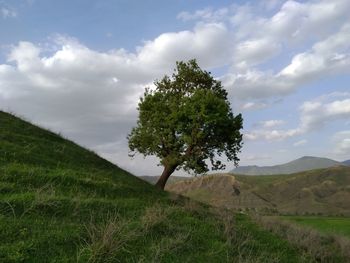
62	203
172	179
220	190
305	163
347	162
322	191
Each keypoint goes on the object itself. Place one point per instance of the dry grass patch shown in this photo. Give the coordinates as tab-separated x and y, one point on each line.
170	245
104	241
153	216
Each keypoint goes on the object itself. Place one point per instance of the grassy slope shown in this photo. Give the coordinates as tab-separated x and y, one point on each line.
321	192
172	179
62	203
334	225
324	191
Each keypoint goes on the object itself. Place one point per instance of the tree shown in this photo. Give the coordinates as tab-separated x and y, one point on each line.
185	121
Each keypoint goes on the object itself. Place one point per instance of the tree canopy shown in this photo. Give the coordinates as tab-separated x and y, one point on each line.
185	121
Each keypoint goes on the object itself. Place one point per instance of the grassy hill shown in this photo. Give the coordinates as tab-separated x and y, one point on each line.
322	191
221	190
62	203
172	179
299	165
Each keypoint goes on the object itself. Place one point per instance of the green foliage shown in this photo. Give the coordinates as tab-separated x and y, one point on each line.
186	120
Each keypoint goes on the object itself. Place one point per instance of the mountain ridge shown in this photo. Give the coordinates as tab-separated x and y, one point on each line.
347	162
304	163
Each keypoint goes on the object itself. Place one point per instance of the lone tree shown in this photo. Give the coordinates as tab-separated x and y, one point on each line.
186	120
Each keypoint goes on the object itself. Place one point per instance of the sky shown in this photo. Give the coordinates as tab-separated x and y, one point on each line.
79	68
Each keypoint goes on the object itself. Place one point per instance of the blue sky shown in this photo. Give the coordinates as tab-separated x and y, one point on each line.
79	68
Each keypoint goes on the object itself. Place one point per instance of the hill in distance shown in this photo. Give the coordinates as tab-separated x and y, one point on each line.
347	162
299	165
322	191
62	203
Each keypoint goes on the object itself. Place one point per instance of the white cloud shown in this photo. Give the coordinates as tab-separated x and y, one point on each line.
254	51
271	123
300	143
258	157
254	105
271	135
258	39
76	87
314	115
7	12
341	142
327	57
207	42
317	113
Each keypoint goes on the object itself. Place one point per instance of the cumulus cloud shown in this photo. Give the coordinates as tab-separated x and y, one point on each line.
327	57
209	43
271	123
314	115
252	105
258	39
300	143
258	157
7	12
341	142
271	135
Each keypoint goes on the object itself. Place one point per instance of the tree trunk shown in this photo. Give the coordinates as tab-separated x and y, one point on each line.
168	170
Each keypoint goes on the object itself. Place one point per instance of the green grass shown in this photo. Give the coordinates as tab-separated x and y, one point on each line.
330	225
62	203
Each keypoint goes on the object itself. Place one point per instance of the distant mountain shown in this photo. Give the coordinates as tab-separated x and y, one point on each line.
347	162
299	165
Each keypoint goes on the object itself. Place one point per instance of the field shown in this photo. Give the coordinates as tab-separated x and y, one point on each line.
330	225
